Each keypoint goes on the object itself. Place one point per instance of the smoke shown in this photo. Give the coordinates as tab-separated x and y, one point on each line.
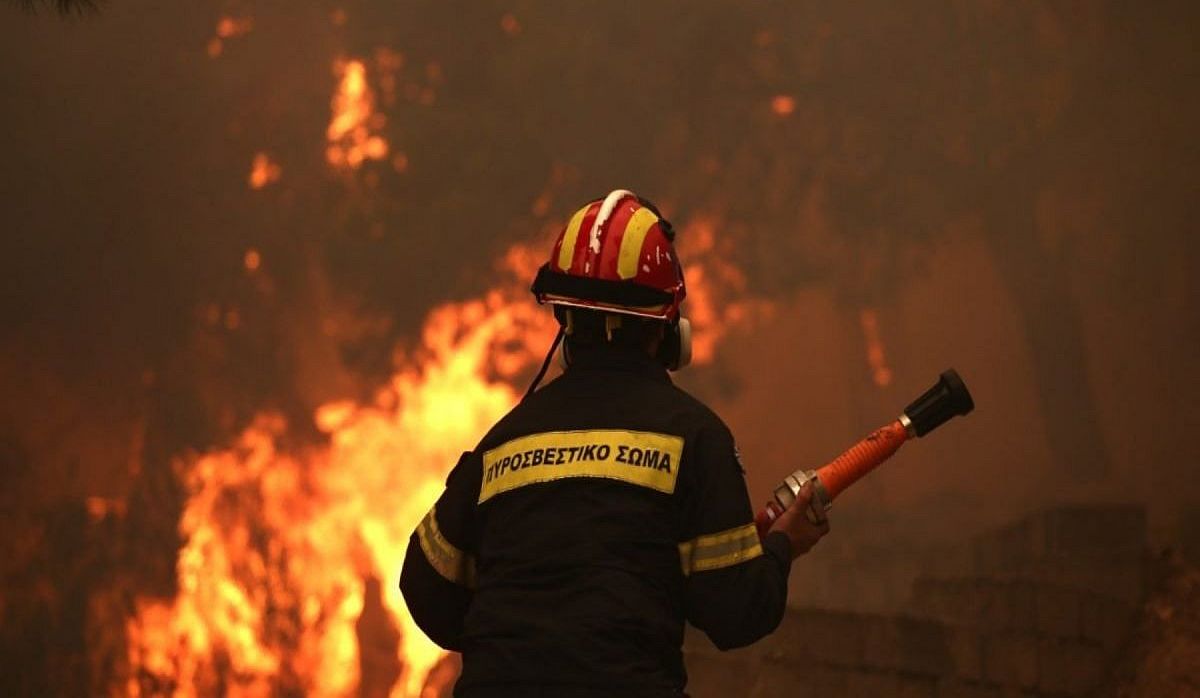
1006	189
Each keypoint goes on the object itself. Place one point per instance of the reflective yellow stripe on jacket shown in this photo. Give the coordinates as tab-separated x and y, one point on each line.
717	550
449	561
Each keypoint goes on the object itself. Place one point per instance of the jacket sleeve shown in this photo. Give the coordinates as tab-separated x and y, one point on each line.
736	587
439	566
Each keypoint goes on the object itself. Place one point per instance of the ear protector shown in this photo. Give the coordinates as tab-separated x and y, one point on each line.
675	351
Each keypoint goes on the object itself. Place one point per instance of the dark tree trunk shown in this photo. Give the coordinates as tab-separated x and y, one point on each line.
65	7
1039	282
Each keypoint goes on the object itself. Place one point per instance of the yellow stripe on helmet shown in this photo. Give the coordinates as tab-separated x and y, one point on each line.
631	243
570	236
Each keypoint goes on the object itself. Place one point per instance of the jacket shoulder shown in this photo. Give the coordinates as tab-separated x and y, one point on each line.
697	412
502	430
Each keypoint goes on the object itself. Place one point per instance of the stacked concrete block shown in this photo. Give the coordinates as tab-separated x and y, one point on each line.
777	677
869	578
907	646
1024	607
1011	660
1057	612
1105	621
955	688
1036	614
965	647
1098	548
1052	600
1071	531
834	638
713	673
849	654
1070	668
837	654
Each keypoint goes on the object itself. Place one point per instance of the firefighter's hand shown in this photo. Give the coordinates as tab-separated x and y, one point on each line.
794	522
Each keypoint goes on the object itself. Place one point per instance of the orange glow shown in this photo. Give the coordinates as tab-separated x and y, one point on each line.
783	105
880	373
560	174
764	38
717	299
388	64
229	27
263	171
442	677
351	131
433	73
100	507
510	25
212	313
278	541
252	260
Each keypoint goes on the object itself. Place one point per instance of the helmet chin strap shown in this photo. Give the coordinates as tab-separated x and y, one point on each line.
562	357
545	365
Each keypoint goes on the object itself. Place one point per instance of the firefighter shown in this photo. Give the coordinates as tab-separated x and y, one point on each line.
607	508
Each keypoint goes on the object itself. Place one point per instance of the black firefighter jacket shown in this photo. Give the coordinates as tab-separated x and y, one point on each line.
570	546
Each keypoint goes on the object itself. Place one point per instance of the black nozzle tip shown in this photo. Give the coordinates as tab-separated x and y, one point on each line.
948	398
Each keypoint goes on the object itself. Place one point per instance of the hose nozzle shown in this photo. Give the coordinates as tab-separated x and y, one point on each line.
947	398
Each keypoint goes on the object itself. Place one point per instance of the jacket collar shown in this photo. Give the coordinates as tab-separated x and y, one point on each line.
608	358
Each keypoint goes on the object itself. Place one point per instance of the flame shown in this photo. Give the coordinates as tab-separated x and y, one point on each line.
252	260
717	297
560	174
880	373
263	171
228	28
442	677
352	131
99	508
783	105
278	541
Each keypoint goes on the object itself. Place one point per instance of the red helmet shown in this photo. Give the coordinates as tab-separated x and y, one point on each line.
616	255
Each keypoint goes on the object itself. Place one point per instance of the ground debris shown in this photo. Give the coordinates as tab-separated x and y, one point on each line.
1163	658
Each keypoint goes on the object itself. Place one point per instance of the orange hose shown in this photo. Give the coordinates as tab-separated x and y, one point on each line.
861	458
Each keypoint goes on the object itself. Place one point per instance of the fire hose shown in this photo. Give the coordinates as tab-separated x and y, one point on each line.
946	399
